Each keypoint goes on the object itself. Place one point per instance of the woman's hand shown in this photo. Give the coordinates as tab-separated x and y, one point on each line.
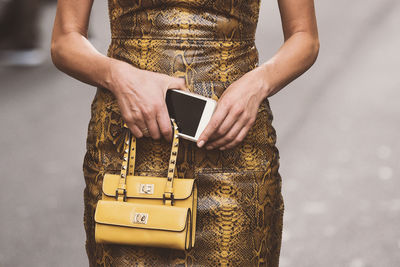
238	105
141	98
235	113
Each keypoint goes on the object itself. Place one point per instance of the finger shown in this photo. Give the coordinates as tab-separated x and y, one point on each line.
164	123
216	119
152	126
229	136
177	83
136	126
149	118
132	118
135	130
230	120
140	124
239	138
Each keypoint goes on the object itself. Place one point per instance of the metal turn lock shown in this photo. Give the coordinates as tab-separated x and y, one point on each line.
147	189
140	218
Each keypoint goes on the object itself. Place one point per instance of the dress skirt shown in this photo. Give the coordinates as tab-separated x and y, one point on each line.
240	205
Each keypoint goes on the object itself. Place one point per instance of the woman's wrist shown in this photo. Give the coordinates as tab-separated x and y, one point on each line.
113	75
107	74
264	86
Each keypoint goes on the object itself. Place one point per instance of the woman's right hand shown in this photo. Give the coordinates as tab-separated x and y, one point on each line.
141	98
140	93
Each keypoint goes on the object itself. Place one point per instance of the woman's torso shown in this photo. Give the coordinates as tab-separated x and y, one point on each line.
208	42
211	43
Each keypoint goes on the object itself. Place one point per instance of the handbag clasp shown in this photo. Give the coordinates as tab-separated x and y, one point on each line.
141	218
171	198
146	189
117	193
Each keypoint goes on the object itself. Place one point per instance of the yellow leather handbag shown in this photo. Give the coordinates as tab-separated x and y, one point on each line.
145	210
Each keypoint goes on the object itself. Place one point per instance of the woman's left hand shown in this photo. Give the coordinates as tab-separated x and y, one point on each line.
235	113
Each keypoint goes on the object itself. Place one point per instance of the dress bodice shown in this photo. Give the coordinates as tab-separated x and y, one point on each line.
210	43
200	19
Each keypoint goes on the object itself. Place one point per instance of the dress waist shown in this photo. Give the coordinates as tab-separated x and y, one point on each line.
180	23
195	55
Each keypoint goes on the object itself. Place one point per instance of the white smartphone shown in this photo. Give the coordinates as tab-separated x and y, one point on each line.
191	112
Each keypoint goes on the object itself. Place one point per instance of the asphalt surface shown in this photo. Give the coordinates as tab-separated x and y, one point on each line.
337	129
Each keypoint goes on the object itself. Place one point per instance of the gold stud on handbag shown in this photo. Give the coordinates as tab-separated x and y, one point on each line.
145	210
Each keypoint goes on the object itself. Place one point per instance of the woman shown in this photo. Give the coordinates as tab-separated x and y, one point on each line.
206	47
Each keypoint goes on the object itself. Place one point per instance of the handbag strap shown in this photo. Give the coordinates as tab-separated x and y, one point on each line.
128	165
168	195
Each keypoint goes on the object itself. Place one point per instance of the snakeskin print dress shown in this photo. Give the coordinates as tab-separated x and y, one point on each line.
240	207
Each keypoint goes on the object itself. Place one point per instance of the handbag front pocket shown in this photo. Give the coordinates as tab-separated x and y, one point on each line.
143	224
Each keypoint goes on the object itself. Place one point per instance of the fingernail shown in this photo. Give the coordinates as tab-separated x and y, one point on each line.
209	147
201	143
222	148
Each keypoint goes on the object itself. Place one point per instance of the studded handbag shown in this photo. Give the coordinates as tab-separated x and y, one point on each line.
146	210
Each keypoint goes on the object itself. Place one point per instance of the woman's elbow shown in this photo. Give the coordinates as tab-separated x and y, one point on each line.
57	47
55	53
314	46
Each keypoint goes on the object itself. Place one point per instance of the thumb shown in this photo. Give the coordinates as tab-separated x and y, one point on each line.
178	83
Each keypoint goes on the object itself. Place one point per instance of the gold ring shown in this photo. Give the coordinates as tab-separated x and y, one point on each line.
145	131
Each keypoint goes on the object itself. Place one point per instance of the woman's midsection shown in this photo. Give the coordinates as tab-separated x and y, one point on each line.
208	66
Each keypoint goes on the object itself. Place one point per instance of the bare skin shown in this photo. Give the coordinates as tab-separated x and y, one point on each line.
141	93
237	108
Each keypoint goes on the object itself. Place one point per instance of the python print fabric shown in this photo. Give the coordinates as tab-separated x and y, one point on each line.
240	205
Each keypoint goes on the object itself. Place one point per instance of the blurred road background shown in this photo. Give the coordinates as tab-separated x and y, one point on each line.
337	131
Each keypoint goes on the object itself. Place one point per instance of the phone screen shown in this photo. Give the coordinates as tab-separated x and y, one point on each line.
186	110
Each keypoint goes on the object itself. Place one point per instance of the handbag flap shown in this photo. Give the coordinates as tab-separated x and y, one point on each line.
135	215
147	186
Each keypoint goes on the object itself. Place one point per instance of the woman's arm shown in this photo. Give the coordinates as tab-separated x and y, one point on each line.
300	49
237	107
71	51
140	93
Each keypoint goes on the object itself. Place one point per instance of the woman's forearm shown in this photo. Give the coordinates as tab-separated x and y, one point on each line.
71	51
73	54
295	56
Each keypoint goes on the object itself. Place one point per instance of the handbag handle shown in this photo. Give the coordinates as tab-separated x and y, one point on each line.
128	165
